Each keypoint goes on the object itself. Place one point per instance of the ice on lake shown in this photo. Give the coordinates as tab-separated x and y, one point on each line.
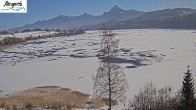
158	55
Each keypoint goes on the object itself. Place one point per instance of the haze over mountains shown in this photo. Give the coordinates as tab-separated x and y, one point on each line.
117	18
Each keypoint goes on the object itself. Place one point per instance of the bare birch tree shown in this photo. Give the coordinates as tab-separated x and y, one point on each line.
151	98
110	81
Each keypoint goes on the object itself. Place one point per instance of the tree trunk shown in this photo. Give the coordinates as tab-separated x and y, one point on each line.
109	79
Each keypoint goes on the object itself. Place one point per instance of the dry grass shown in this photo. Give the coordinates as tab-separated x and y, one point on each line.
49	97
12	46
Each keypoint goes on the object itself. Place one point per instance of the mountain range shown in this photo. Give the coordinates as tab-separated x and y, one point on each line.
117	18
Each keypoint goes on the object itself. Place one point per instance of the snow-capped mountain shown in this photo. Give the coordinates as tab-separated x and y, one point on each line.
118	18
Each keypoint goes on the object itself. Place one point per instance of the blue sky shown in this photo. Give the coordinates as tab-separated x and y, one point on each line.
46	9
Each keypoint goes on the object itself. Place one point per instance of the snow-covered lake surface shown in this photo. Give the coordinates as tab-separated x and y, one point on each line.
146	55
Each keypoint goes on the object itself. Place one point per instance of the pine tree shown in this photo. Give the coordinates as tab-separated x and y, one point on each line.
187	92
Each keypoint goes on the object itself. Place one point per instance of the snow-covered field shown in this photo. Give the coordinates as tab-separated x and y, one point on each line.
146	55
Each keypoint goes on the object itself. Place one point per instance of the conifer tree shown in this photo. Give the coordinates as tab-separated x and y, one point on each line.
187	91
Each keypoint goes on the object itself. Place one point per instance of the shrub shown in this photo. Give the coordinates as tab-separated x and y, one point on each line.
29	106
10	41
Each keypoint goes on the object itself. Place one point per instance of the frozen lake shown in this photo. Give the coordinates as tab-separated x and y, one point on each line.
145	55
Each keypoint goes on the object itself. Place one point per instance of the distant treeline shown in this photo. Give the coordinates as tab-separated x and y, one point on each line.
64	32
10	41
3	32
57	33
